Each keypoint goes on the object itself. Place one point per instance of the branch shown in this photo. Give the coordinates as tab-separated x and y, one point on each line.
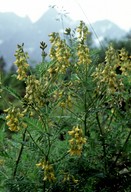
102	140
20	153
121	150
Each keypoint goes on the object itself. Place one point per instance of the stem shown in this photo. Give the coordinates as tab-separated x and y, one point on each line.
85	119
121	150
20	154
41	116
74	113
85	105
61	158
102	140
49	144
35	142
44	186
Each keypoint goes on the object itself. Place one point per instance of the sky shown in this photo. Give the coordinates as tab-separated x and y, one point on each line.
117	11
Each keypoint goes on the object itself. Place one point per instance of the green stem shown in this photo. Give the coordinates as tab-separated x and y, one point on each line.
61	158
49	145
102	140
20	153
121	150
41	116
85	119
35	142
44	186
74	113
85	105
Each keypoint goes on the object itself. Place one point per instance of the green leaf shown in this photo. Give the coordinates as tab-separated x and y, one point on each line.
12	92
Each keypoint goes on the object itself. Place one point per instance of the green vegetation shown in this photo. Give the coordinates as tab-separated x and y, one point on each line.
66	124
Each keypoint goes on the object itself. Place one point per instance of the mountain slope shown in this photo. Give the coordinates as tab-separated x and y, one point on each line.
108	29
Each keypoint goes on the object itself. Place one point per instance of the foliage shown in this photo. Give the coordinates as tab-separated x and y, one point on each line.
117	44
125	42
70	129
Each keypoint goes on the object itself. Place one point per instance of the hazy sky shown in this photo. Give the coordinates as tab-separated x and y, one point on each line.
118	11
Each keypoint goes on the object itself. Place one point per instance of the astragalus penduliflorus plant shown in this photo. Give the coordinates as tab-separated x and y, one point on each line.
70	130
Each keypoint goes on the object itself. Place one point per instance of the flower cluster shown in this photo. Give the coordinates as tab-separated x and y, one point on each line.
125	65
83	31
59	52
34	91
77	141
52	71
82	48
48	171
21	63
106	74
63	97
2	161
83	54
69	178
67	102
13	118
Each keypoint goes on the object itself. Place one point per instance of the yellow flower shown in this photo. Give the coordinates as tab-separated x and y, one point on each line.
62	104
21	63
75	180
13	118
76	135
71	132
71	141
2	162
34	91
39	164
77	141
48	171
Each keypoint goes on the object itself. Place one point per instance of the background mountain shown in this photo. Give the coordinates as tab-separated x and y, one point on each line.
107	29
17	30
